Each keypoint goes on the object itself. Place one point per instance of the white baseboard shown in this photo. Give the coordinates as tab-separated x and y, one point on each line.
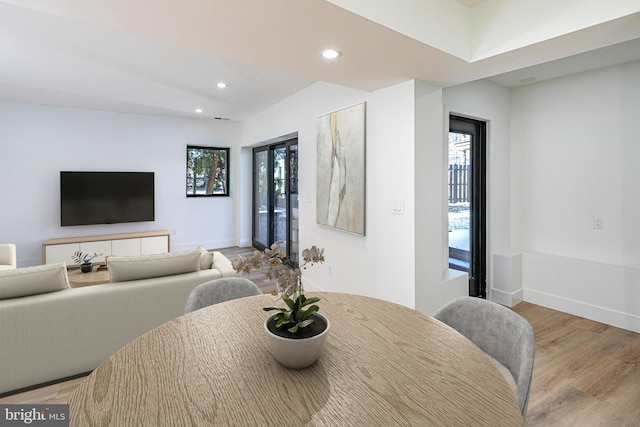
508	299
214	245
310	285
588	311
245	243
606	293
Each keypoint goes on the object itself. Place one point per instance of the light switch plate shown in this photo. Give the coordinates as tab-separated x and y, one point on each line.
397	206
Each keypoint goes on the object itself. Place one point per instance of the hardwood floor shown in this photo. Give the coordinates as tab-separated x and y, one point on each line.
585	373
51	394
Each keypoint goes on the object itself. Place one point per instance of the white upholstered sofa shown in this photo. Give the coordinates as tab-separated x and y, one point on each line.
49	331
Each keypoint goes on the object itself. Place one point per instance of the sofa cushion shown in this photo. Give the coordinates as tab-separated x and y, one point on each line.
138	267
206	258
39	279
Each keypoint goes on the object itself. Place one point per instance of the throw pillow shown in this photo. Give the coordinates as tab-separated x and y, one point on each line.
122	269
35	280
206	259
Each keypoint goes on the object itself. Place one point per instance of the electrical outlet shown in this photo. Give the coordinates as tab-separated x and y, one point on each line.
598	222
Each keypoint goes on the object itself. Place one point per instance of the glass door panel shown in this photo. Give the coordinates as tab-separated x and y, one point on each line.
280	196
467	200
293	201
260	199
275	196
459	202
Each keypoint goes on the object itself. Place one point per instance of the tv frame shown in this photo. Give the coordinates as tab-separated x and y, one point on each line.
98	204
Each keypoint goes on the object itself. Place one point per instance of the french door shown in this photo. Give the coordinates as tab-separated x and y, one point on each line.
467	200
275	196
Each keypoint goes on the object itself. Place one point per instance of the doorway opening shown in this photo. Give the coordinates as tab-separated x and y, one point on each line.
467	200
275	196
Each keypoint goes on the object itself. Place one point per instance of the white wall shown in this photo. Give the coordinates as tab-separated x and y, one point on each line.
381	262
562	152
37	142
575	151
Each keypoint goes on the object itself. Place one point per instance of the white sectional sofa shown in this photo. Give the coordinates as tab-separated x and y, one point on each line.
49	331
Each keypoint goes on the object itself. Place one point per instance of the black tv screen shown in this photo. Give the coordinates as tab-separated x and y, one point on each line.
106	197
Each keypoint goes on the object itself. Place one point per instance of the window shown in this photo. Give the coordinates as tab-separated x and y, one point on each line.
207	171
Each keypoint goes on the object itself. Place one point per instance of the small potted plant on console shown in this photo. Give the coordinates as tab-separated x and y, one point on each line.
297	331
84	260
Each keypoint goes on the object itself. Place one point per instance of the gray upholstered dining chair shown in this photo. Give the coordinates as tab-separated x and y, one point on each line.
220	290
501	333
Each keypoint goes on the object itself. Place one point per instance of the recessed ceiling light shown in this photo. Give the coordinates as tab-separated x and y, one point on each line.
221	85
199	110
330	54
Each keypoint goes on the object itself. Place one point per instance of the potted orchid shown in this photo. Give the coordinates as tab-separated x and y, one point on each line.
298	323
84	260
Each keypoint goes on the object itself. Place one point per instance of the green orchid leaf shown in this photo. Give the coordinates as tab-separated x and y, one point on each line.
308	312
294	328
310	301
289	303
282	321
305	323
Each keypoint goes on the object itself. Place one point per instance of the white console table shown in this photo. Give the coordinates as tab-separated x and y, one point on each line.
143	243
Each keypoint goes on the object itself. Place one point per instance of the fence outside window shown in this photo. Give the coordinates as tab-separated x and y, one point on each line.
459	183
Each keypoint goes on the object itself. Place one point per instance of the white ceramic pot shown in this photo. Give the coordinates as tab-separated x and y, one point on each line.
297	353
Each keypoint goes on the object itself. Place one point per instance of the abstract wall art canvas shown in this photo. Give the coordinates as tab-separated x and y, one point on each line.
340	179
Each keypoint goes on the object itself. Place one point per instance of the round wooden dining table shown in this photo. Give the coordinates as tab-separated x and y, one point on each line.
383	364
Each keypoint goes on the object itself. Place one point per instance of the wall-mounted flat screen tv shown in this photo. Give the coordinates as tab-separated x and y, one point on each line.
106	197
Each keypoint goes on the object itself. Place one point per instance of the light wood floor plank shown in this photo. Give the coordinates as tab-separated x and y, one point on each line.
585	373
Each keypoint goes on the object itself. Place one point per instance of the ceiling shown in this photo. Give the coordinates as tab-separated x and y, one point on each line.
165	58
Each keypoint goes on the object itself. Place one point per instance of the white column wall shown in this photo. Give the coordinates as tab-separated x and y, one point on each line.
379	264
435	283
392	122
